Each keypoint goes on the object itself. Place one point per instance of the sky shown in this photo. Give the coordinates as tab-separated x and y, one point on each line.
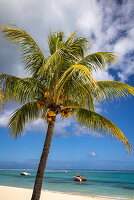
110	25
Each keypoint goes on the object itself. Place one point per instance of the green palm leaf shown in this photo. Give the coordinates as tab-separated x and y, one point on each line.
31	53
21	89
47	70
1	98
99	123
77	46
108	90
98	60
79	75
83	99
55	41
63	53
27	113
71	37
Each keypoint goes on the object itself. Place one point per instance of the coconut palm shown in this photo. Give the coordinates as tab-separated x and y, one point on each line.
1	98
60	84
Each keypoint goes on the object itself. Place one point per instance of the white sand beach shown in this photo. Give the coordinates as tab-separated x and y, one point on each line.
14	193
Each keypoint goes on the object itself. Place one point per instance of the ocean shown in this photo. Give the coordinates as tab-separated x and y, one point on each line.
118	184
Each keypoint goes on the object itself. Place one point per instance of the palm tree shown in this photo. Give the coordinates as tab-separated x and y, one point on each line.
60	84
1	98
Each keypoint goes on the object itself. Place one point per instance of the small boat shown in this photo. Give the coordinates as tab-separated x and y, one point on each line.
79	178
24	173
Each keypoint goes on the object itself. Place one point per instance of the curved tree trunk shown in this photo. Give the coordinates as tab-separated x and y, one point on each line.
43	160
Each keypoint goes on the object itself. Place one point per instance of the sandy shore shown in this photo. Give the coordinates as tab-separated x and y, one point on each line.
14	193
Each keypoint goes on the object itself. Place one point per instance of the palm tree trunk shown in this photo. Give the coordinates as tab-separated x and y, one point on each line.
43	160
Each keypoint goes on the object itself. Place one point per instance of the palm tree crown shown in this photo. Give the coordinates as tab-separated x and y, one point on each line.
62	83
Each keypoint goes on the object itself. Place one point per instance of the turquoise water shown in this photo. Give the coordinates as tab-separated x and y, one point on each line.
102	183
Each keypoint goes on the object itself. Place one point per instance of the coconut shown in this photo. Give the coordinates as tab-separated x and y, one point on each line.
49	119
43	117
47	95
66	114
41	106
51	113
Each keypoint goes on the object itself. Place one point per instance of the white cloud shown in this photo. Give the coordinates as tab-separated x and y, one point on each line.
4	117
90	20
126	67
65	128
92	154
59	130
102	75
124	45
106	21
41	125
20	71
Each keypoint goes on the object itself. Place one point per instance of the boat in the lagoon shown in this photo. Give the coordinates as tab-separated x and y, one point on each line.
24	173
79	178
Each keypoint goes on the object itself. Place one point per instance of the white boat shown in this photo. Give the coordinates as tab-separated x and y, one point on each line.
24	173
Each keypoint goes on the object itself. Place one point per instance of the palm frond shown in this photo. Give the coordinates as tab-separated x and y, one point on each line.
1	98
21	89
100	123
51	64
79	96
90	102
109	90
77	46
63	54
71	36
98	60
31	53
79	75
27	113
55	41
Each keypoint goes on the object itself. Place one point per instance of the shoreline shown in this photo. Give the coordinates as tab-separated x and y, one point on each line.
12	193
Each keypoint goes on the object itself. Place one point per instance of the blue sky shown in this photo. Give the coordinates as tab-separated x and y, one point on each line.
111	26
